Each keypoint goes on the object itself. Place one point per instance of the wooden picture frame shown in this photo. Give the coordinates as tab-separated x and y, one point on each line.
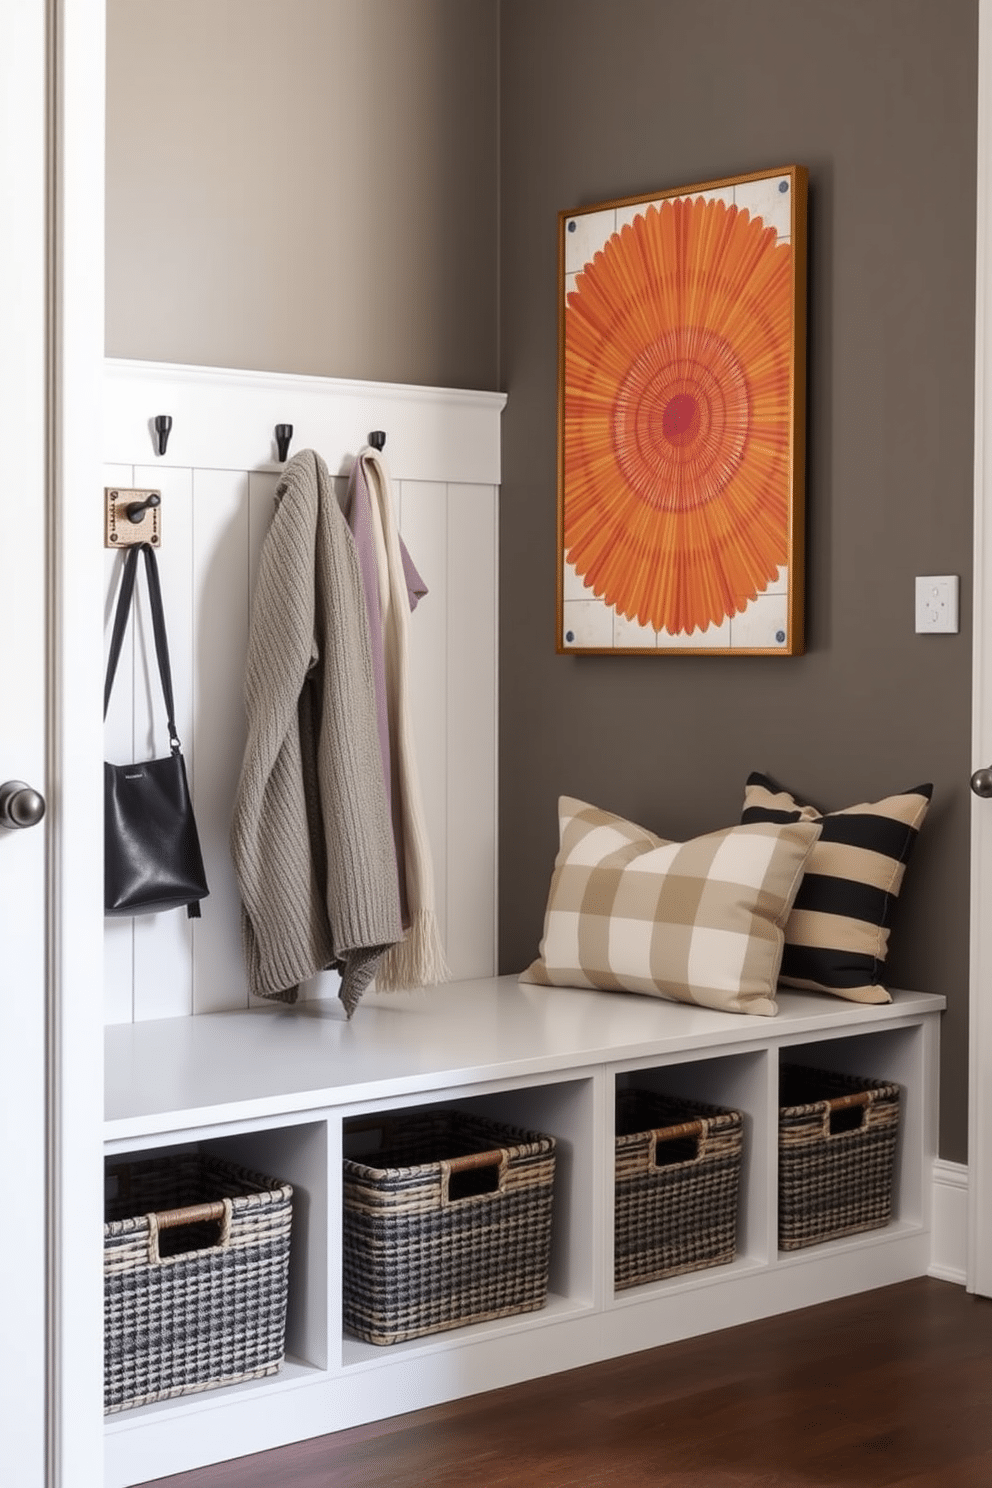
681	420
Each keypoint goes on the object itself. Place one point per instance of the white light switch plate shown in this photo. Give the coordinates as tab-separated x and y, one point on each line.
936	604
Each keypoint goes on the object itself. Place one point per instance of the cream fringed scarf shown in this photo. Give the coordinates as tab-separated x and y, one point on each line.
418	960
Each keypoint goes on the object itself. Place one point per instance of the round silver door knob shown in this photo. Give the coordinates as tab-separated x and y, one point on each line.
981	781
20	806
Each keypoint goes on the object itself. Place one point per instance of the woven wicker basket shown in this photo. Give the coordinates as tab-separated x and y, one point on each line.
447	1222
196	1264
677	1178
836	1155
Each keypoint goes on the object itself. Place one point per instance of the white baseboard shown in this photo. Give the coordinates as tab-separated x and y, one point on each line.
949	1236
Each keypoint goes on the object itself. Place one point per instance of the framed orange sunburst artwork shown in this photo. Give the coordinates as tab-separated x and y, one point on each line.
682	372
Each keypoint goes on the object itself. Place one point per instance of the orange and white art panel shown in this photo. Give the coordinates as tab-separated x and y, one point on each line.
682	388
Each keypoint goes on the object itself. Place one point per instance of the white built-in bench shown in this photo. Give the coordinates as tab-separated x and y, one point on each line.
271	1087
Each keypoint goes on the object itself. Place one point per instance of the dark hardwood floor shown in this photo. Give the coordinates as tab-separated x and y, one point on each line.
891	1389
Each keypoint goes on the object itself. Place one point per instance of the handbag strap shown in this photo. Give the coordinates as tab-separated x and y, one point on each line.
124	603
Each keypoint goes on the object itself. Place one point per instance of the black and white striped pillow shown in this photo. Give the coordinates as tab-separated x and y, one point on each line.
836	936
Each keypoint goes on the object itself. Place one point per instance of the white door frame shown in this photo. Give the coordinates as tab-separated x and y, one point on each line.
980	1032
67	88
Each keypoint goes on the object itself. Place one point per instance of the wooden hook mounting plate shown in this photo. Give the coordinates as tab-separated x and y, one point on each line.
119	530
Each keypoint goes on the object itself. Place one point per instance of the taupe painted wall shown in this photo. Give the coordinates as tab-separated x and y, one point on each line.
602	101
304	186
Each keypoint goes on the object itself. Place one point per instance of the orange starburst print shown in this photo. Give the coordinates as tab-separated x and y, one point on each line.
677	422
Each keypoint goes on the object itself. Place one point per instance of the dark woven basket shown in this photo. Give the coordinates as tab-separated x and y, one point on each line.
677	1171
836	1155
446	1222
196	1267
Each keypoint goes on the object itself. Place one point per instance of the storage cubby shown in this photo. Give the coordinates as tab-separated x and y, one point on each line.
563	1109
737	1082
294	1154
894	1055
548	1060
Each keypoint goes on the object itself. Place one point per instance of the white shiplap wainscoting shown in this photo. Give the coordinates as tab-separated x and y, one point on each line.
217	480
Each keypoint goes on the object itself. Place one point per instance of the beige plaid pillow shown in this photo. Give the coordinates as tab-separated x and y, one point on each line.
698	921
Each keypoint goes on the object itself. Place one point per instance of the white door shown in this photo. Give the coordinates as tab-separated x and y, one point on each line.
23	852
51	84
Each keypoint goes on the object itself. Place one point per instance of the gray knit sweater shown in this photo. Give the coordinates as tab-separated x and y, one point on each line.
311	838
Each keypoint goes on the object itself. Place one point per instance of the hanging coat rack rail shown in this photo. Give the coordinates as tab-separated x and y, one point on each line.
133	514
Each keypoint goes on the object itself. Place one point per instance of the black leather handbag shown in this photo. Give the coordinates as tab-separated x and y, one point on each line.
152	858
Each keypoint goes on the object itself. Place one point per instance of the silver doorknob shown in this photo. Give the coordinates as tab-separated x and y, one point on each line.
20	806
981	781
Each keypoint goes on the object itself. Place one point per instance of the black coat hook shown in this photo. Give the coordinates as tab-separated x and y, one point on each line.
284	433
377	439
163	428
136	509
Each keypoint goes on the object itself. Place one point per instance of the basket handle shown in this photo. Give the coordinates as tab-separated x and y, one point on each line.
664	1134
862	1098
168	1219
471	1162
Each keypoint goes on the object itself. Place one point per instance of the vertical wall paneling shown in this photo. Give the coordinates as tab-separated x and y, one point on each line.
261	505
220	601
163	943
423	518
118	940
218	481
471	763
